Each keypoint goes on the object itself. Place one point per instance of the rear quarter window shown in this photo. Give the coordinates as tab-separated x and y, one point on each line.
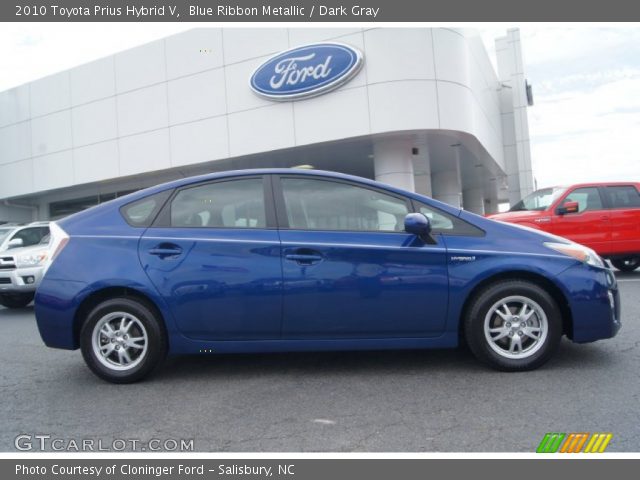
141	213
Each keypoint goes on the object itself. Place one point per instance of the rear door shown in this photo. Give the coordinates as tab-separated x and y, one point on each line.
214	255
349	268
591	225
624	208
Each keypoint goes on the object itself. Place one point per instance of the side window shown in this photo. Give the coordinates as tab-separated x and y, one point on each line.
316	204
44	233
446	224
142	212
626	196
225	204
588	199
29	236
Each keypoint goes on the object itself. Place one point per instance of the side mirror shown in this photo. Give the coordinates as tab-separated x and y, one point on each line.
569	207
419	225
15	243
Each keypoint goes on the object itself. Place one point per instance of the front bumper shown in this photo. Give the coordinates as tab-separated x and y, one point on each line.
594	301
20	280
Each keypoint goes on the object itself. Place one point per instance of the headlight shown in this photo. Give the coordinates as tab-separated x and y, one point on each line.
32	259
577	251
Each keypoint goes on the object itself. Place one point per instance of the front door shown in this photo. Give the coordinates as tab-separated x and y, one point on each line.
216	262
590	225
349	269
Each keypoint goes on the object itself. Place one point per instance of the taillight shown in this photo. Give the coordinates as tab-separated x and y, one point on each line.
59	240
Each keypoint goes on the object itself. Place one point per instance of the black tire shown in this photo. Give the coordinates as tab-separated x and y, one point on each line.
496	353
626	264
16	300
149	324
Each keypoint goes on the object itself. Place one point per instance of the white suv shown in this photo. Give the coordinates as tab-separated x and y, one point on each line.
17	236
23	252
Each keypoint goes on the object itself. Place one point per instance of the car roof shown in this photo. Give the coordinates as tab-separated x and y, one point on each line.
267	171
595	184
259	171
28	225
14	227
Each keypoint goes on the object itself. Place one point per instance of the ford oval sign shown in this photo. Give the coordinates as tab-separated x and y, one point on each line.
306	71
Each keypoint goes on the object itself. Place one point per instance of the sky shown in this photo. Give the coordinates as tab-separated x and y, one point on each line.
586	89
586	84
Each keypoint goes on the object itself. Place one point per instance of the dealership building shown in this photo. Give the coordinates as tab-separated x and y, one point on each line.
419	108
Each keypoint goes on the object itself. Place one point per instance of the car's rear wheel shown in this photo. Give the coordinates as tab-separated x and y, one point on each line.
626	264
122	340
16	300
513	325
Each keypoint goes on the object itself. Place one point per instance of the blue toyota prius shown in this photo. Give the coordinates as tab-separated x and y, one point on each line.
293	260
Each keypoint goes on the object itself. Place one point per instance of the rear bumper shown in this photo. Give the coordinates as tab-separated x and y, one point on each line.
20	280
594	301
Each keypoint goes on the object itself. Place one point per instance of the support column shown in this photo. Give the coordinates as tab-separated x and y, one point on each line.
446	184
491	205
422	170
514	101
393	163
473	200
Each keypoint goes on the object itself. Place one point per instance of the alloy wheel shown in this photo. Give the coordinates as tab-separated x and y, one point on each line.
119	341
516	327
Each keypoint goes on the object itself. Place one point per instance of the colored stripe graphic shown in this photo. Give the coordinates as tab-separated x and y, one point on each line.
556	442
598	443
574	443
550	443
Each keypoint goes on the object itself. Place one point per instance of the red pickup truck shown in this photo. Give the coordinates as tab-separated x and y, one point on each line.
602	216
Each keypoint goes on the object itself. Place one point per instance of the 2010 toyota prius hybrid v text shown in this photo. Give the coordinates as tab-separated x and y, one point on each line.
294	260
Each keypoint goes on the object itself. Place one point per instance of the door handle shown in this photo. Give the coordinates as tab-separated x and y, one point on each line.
304	257
166	250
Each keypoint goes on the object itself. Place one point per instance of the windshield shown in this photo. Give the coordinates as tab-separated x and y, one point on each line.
4	232
538	200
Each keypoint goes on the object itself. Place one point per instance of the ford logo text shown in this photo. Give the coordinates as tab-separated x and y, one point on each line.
306	71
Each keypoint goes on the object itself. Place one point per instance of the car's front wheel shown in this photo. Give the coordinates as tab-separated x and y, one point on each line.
513	325
16	300
122	340
626	264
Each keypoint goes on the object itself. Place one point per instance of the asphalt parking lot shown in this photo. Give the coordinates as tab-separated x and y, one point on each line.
374	401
